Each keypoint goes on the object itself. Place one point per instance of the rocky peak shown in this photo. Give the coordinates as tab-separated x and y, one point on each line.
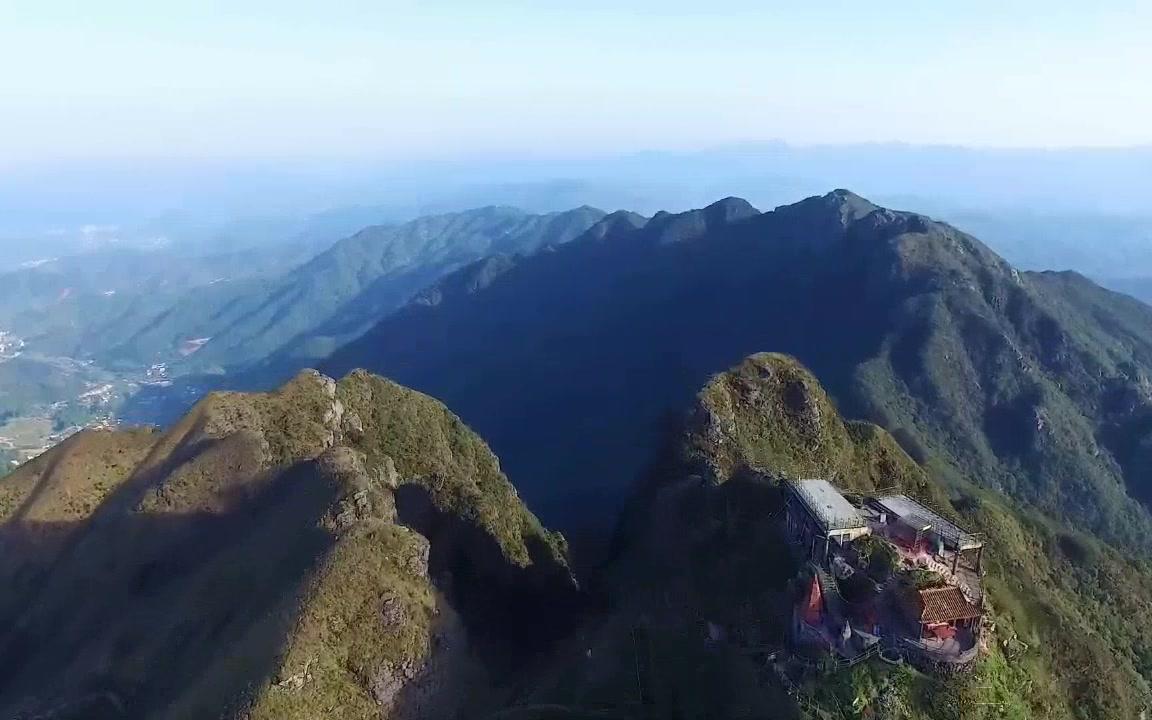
612	224
364	500
670	228
729	210
837	209
770	415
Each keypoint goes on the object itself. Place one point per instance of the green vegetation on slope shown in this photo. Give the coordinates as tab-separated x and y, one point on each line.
700	547
71	481
769	414
1062	600
84	305
434	448
1032	384
305	314
274	555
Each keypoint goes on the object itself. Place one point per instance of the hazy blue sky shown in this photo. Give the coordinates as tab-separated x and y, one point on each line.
415	79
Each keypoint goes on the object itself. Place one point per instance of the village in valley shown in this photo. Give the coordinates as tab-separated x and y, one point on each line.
46	398
29	426
10	345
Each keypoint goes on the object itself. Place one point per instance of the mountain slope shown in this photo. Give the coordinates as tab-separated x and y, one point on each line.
705	579
341	292
83	305
28	382
345	548
1057	593
1017	380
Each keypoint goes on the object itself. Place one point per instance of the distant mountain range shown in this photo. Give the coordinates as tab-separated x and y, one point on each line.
573	316
352	546
567	360
143	318
250	287
305	314
136	307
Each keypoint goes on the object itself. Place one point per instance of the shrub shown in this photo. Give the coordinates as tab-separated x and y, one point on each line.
877	555
922	579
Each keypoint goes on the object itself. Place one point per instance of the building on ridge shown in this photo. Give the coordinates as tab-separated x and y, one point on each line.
919	527
819	518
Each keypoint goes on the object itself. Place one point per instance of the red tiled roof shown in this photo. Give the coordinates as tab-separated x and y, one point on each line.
945	604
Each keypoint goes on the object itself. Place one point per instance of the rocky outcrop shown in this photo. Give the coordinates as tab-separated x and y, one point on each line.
770	417
254	561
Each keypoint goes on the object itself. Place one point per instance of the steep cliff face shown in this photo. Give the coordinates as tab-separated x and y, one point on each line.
703	583
716	493
344	548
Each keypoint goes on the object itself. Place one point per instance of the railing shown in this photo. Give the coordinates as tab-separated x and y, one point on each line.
830	589
871	651
937	655
842	522
954	533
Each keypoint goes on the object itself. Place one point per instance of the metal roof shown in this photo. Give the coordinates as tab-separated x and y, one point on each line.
827	505
915	514
916	522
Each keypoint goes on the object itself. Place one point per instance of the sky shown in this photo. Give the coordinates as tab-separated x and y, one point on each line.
416	80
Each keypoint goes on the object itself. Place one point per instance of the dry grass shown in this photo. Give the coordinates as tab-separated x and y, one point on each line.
250	561
69	482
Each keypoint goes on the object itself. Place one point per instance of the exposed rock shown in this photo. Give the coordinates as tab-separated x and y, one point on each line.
365	499
296	681
252	559
387	473
392	612
434	687
344	464
353	427
416	563
334	415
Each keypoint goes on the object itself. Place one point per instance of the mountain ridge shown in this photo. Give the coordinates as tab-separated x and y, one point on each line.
360	277
875	301
703	572
387	561
353	541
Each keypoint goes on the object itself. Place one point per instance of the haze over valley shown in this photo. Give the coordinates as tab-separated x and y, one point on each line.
631	360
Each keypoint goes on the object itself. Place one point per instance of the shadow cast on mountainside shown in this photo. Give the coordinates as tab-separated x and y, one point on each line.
131	613
163	405
571	385
511	612
38	491
147	609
